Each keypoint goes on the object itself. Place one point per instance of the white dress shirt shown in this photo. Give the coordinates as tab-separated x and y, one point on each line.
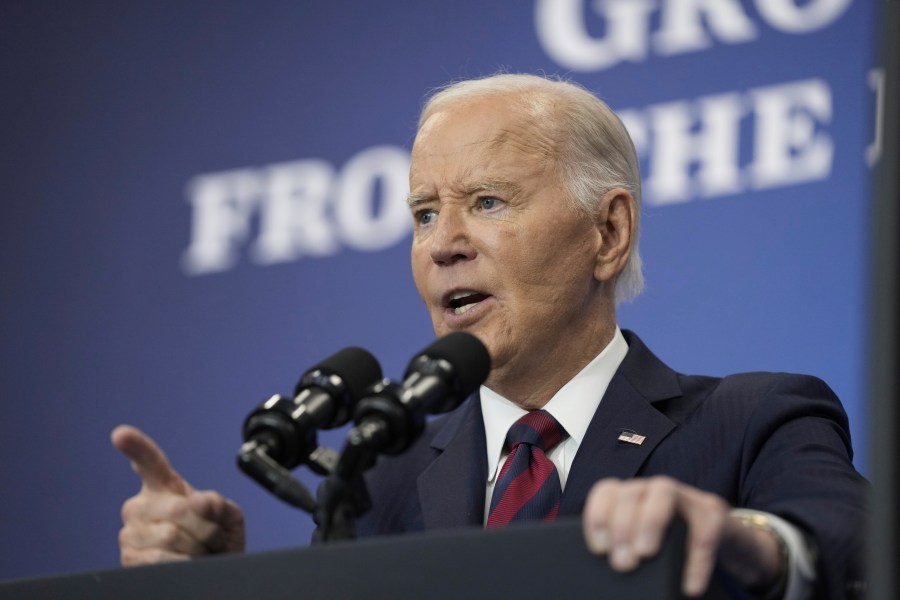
573	406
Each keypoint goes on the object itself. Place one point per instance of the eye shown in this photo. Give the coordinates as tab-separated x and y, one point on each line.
425	217
488	202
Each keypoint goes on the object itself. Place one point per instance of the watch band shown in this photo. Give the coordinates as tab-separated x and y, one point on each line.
762	522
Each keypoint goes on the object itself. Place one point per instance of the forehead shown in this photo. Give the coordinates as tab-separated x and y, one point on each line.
488	136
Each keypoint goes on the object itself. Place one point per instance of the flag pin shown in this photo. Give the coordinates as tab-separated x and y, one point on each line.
631	437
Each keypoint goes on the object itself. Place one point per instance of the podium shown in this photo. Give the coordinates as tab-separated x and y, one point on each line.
526	561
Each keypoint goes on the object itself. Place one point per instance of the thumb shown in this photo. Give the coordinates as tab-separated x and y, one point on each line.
148	460
229	536
212	506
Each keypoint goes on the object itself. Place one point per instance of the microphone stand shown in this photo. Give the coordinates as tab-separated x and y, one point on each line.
343	496
388	420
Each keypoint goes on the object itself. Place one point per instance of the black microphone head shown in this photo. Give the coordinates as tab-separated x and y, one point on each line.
344	377
356	367
437	380
468	360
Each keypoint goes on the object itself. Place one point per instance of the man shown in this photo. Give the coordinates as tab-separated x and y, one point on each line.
525	195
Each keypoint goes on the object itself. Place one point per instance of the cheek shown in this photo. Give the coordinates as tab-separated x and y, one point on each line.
530	259
551	270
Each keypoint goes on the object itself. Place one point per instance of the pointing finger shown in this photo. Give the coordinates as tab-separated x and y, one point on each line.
148	460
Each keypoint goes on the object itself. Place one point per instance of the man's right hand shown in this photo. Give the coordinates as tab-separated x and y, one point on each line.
168	519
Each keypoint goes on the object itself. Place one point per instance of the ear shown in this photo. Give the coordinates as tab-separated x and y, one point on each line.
616	221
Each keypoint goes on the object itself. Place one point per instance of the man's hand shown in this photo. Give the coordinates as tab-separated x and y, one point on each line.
628	519
168	519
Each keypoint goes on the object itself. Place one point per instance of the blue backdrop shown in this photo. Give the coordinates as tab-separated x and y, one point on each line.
201	200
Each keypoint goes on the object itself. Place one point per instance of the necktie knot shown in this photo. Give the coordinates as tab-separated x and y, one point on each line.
536	428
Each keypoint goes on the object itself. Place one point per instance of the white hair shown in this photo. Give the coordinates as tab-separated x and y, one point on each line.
595	153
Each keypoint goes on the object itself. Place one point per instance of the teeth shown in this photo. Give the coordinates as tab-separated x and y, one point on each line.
462	301
459	295
464	308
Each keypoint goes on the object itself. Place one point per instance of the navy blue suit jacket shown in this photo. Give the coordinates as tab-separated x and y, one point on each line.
774	442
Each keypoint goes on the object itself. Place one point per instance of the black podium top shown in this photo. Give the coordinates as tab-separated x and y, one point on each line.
528	561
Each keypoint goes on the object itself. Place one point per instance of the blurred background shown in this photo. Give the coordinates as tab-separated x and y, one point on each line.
201	200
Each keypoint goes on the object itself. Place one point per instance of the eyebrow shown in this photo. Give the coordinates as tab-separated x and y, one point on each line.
414	200
491	185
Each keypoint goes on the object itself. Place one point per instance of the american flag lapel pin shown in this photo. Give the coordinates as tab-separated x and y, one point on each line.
631	437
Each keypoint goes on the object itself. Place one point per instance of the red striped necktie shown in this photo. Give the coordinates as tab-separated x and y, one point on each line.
528	486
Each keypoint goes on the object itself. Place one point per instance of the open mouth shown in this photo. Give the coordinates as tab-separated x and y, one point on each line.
462	302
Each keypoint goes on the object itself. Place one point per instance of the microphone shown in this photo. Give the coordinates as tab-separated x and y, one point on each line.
391	417
323	398
437	380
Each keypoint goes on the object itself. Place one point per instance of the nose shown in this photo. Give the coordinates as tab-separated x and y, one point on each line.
452	240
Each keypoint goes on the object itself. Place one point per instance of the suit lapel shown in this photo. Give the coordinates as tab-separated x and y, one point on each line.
452	488
641	380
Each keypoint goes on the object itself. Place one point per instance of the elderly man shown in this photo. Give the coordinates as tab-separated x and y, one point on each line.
525	195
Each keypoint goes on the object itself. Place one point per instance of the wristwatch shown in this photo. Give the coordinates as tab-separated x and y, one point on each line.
776	589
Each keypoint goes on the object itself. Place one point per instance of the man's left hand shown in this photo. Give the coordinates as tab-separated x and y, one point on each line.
627	521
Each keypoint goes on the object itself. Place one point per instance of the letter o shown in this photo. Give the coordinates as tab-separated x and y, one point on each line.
786	16
360	225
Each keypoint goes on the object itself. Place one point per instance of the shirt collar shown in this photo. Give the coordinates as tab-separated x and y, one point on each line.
573	405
